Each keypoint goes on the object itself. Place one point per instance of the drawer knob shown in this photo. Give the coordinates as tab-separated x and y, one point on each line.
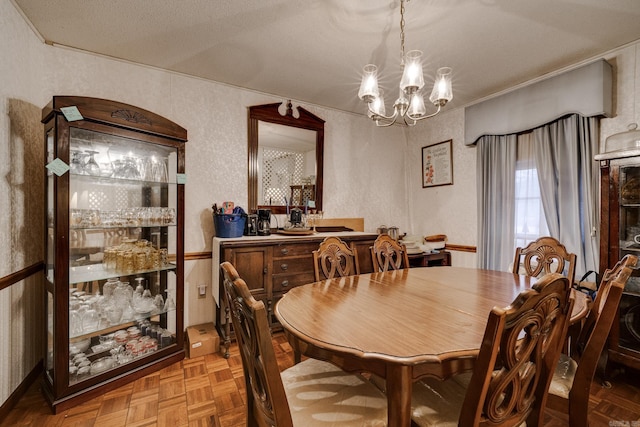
284	251
285	283
284	266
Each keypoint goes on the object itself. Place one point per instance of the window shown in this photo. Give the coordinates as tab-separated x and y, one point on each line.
530	222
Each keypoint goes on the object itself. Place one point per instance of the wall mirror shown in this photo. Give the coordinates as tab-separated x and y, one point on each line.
285	158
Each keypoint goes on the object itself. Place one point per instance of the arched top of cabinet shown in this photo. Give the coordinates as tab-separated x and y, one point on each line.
116	114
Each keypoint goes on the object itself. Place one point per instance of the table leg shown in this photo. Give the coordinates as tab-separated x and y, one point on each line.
399	389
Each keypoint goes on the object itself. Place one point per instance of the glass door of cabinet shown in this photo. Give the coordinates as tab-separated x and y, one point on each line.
122	236
630	218
629	312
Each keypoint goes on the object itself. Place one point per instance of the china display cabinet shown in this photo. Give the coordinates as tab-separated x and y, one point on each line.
115	179
620	235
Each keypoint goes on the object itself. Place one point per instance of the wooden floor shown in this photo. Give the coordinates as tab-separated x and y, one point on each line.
209	391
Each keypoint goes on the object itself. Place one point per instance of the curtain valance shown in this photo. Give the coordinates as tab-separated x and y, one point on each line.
586	90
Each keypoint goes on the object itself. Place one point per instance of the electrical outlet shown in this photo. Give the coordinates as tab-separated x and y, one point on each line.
202	291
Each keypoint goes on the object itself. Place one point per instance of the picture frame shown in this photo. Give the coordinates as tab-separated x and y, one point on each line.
437	164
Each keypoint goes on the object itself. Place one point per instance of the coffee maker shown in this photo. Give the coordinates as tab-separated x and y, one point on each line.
264	222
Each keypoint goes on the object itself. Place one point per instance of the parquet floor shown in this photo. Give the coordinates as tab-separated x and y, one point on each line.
209	391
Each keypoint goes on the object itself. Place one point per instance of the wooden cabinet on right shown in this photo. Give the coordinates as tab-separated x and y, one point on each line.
620	235
442	258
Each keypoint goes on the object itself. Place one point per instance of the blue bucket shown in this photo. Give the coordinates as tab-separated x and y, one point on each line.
229	225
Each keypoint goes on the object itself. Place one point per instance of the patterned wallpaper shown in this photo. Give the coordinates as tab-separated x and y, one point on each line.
370	172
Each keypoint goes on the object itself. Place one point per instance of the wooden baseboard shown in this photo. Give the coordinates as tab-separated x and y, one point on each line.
20	391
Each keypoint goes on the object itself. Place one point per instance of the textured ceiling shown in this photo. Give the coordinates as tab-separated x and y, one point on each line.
314	50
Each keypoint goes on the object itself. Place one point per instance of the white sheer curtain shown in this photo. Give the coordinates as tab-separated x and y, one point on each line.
529	219
496	166
568	175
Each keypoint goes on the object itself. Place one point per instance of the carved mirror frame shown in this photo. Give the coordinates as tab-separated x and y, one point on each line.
270	113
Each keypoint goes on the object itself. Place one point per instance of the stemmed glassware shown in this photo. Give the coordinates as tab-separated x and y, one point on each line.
313	218
91	166
169	303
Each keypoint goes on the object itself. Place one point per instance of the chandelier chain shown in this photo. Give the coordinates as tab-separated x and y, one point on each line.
402	33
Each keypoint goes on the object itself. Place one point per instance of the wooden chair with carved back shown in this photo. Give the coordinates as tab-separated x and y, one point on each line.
543	256
388	254
312	393
513	370
571	384
334	258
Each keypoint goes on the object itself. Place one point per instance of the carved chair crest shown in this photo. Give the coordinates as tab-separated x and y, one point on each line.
335	259
387	254
543	256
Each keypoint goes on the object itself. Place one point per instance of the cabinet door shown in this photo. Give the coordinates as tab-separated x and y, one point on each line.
628	240
254	266
122	227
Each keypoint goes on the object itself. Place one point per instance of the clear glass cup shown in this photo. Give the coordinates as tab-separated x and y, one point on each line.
145	166
90	321
76	167
75	323
159	167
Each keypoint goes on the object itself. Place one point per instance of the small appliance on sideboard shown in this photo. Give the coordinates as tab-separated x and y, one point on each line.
251	226
264	222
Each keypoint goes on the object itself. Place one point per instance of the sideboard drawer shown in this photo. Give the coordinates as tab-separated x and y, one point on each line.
293	265
284	282
285	250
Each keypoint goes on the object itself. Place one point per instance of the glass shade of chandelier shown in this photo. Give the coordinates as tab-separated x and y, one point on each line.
410	105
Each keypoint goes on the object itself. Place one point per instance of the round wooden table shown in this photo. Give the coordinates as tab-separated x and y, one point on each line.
401	325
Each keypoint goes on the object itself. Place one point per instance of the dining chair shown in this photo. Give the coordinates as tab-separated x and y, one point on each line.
543	256
335	258
388	254
511	375
571	383
311	393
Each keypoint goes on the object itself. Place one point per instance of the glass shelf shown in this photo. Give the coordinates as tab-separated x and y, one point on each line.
94	272
107	180
119	226
104	329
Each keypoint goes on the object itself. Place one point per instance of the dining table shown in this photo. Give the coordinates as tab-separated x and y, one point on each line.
401	325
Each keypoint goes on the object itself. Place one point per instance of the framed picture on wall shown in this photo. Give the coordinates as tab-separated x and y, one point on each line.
437	164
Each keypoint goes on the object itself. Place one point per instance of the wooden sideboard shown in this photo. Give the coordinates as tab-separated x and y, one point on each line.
271	265
425	259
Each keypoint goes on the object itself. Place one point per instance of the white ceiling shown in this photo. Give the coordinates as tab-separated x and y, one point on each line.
314	50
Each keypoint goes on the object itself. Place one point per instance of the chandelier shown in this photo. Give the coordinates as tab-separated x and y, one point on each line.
410	104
